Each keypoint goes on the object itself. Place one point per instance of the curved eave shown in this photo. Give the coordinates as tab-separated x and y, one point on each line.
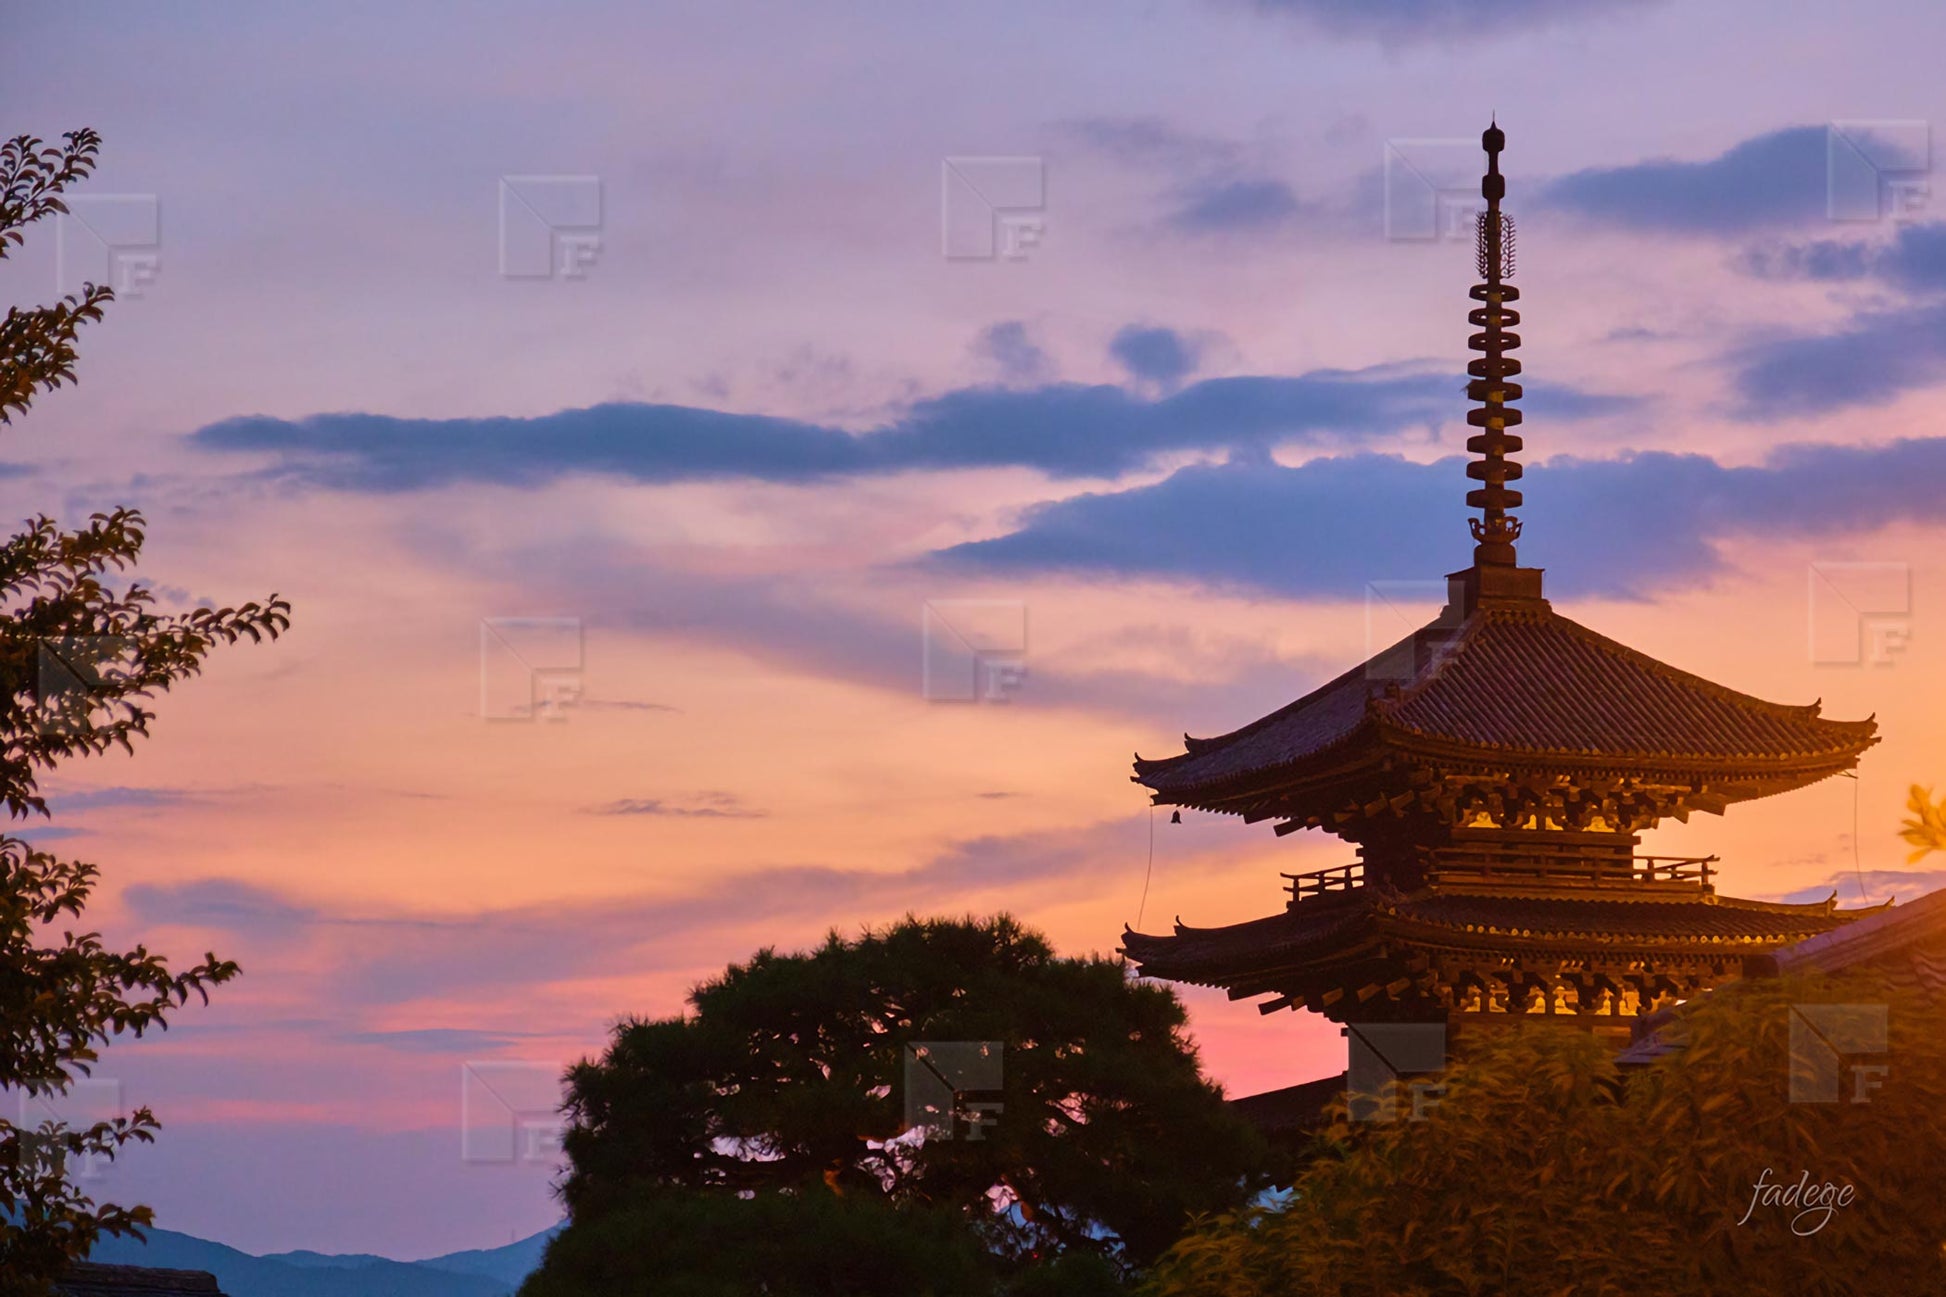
1375	740
1352	742
1364	926
1848	741
1147	767
1725	768
1789	743
1194	747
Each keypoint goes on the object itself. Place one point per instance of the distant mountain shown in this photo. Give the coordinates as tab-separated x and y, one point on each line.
510	1264
324	1260
494	1272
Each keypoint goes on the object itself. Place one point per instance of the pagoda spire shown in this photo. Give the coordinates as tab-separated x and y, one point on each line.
1496	530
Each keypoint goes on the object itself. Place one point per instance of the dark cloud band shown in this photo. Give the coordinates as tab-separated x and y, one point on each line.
1065	430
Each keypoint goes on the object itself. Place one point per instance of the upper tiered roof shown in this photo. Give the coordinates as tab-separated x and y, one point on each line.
1514	686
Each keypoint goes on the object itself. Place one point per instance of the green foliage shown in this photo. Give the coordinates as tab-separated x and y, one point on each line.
1926	830
79	659
1072	1274
78	662
37	342
814	1244
1546	1171
789	1076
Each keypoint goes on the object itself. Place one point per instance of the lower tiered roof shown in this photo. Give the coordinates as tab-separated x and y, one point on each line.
1331	929
1591	955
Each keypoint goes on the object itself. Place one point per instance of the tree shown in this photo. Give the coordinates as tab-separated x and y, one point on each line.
1051	1105
1926	830
78	661
795	1244
780	1244
1545	1169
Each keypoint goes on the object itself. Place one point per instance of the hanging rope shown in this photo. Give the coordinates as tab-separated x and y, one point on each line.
1857	864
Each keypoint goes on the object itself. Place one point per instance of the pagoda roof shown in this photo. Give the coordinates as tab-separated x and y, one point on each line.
1325	931
1915	931
1904	944
1513	685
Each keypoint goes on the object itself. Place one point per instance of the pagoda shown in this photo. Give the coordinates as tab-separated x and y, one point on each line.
1495	770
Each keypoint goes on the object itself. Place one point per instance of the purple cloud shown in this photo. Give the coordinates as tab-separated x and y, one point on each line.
1610	527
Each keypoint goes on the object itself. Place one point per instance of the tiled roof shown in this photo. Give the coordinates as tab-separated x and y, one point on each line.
1906	944
1907	929
1518	679
88	1279
1294	1108
1322	926
1316	723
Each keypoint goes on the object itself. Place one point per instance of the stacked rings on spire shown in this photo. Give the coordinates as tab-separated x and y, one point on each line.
1495	530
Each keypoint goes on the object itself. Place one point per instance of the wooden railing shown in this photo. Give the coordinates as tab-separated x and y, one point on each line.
1496	865
1339	878
1492	864
1676	869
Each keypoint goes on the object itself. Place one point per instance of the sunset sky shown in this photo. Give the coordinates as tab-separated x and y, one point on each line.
1189	435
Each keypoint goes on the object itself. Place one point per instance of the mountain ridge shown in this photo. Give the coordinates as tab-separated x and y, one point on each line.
479	1272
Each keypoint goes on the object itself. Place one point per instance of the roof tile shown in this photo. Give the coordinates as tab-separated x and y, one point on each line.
1517	679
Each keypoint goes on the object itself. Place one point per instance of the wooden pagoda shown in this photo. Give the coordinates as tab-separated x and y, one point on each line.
1495	770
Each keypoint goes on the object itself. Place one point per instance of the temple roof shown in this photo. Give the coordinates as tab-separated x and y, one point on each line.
1904	944
1513	684
1291	1109
1915	931
92	1279
1327	929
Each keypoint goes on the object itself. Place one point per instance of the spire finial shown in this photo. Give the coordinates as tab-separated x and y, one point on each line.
1496	530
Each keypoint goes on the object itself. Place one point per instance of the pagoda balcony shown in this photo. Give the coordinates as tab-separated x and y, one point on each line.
1341	878
1497	868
